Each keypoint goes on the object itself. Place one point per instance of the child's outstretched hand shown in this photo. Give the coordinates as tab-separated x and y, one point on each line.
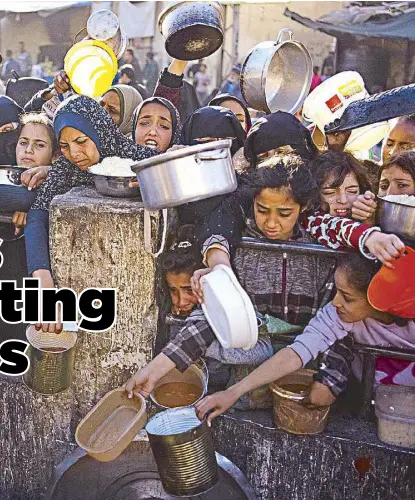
319	395
140	382
364	207
195	283
385	247
218	402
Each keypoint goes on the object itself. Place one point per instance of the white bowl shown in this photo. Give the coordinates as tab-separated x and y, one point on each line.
228	309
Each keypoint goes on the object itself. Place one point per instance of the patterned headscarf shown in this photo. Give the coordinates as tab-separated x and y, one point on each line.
65	175
175	118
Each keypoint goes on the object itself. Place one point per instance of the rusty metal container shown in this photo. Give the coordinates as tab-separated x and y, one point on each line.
51	358
184	452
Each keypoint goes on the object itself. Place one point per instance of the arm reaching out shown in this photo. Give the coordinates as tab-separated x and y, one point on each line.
283	363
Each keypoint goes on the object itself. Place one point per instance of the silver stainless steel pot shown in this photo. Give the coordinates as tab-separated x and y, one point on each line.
189	174
192	30
104	25
276	76
396	218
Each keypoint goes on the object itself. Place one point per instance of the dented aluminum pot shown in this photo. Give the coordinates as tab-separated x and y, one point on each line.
104	25
188	174
192	30
276	76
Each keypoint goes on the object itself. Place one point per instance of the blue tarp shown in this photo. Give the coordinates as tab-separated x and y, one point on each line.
402	27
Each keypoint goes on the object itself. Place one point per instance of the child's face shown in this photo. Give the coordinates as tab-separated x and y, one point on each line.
338	201
182	298
276	213
351	304
394	180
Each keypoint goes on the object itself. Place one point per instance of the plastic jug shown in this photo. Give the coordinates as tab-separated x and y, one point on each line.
328	102
91	66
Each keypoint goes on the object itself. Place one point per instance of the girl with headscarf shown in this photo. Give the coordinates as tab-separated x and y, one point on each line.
86	135
10	113
239	109
120	102
213	123
278	132
156	124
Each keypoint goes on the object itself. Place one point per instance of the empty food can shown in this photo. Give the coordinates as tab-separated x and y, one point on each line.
183	449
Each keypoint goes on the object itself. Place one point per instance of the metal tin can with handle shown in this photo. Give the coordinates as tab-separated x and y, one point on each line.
183	449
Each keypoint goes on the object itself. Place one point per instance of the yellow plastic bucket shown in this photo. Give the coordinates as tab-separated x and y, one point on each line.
91	67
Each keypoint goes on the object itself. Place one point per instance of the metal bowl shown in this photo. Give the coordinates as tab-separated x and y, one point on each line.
10	176
116	187
396	218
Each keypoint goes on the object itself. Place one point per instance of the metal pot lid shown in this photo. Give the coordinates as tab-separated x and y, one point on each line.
174	5
102	25
181	153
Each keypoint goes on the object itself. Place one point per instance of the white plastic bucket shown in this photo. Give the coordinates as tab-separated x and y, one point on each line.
328	101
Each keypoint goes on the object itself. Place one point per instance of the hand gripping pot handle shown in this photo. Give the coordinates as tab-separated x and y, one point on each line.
282	33
211	155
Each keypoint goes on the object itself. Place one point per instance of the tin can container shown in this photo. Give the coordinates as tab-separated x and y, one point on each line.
52	359
184	453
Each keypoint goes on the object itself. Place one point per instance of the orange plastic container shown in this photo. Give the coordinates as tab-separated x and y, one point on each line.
393	290
111	425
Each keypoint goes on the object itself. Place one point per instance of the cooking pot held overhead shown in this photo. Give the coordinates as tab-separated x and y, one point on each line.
192	30
276	76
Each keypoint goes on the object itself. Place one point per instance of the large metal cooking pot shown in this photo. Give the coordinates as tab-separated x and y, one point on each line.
189	174
192	30
396	218
276	76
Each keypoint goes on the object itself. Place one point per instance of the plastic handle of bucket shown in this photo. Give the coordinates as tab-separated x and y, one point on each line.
282	33
147	233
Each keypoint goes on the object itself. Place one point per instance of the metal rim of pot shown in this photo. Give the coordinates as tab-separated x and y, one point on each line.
171	8
279	43
201	365
181	153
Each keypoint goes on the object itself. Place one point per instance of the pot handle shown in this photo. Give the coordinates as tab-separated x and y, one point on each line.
208	156
147	233
281	34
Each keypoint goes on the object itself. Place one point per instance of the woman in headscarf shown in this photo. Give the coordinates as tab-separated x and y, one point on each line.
208	124
278	133
213	123
86	135
10	113
238	108
120	102
156	124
